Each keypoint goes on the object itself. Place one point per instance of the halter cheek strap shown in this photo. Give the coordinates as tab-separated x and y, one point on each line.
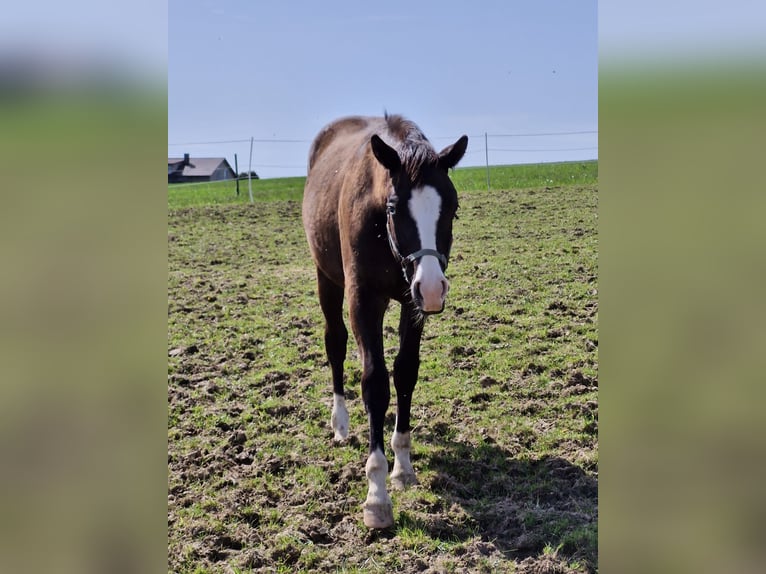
412	257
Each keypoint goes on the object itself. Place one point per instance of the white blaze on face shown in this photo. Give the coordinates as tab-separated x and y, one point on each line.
425	208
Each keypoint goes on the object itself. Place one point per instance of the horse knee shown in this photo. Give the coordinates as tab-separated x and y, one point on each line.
375	388
406	374
336	341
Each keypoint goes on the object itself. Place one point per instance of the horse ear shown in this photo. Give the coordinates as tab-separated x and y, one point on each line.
385	154
451	155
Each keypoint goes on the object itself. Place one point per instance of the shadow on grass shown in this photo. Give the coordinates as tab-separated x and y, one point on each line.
521	505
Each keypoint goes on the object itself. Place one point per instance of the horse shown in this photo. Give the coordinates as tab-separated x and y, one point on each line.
378	208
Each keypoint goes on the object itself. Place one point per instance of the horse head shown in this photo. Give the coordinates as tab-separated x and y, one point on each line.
421	206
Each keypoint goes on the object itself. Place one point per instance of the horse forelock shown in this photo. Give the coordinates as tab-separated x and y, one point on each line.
416	152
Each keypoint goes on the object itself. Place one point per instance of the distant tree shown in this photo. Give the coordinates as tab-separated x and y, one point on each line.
243	175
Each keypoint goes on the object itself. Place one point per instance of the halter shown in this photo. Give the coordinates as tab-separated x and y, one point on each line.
405	261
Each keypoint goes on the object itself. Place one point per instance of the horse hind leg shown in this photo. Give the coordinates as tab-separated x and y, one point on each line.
335	340
406	368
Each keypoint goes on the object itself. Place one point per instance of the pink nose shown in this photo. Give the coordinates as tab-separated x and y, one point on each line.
430	295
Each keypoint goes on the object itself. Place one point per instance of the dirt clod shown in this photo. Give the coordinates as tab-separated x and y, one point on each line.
487	381
237	438
188	350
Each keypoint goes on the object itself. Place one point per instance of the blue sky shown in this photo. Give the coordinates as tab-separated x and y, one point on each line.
281	70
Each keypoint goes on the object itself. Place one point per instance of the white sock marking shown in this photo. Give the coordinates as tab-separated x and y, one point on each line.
400	442
376	470
339	418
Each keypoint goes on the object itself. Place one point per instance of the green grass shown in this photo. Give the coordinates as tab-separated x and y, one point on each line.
526	175
505	414
465	179
225	192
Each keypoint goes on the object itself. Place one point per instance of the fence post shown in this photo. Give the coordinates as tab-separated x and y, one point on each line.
250	171
486	157
236	169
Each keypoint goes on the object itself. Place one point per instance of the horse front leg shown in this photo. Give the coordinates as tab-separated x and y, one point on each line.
406	368
367	323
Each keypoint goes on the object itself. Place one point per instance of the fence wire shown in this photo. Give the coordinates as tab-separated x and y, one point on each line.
480	144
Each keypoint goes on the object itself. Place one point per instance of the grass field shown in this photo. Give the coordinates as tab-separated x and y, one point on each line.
465	179
505	414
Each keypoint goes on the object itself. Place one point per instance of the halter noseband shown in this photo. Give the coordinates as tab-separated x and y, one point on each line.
404	261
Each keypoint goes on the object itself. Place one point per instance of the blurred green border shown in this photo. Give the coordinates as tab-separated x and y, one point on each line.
681	309
83	347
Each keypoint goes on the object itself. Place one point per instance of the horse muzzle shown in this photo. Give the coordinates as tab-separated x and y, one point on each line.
429	287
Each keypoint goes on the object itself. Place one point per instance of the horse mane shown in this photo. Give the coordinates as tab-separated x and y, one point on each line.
415	151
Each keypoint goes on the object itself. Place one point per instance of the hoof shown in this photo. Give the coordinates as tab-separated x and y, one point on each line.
403	480
378	515
340	436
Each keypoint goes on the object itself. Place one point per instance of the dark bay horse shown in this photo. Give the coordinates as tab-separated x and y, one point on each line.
378	209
